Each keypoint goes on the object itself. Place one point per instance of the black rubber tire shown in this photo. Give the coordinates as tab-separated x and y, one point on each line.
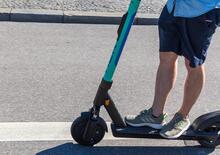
78	128
207	142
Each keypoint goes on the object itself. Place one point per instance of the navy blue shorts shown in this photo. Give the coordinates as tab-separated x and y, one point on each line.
189	37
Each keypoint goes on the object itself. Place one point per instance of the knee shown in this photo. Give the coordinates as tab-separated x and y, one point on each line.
168	59
191	69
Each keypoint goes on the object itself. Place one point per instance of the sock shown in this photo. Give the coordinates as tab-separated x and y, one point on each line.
154	116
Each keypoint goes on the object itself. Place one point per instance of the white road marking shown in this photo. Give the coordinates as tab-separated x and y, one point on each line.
40	131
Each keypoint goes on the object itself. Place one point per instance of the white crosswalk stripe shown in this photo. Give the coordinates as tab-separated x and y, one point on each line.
40	131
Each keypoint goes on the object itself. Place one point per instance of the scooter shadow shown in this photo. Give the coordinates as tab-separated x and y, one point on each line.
75	149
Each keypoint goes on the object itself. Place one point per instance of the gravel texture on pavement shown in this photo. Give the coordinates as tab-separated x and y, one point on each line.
147	6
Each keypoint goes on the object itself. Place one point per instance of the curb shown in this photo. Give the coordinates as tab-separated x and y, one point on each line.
49	16
5	14
59	16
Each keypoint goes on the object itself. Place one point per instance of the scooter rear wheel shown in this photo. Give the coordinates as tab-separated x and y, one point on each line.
213	128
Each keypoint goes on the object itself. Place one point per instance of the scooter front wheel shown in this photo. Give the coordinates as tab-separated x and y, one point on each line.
95	128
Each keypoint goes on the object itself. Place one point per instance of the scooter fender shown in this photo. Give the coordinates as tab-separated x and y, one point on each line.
206	120
98	120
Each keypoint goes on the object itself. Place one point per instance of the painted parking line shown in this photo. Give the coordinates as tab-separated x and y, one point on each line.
40	131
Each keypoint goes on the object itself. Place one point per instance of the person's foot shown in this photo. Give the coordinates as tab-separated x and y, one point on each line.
146	118
176	127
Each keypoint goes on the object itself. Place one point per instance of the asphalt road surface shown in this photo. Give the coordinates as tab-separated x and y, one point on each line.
49	73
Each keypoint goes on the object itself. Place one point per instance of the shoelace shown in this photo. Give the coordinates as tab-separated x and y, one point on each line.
143	112
174	121
177	125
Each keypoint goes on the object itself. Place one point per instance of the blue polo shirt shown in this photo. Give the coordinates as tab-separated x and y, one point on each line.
191	8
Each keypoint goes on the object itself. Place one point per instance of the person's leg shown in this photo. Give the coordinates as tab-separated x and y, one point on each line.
166	74
196	34
195	38
166	77
193	86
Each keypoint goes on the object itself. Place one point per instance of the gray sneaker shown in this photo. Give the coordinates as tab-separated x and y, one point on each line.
176	127
145	118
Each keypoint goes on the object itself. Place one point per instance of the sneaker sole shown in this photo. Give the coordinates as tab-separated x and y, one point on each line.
176	136
155	126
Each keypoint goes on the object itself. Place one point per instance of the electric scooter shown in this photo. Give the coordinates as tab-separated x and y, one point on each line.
90	128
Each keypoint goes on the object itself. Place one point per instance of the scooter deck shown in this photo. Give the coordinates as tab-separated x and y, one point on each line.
147	132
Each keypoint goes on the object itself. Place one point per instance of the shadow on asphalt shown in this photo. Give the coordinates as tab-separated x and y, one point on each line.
75	149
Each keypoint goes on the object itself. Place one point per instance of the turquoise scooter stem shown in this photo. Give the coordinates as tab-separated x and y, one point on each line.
132	10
